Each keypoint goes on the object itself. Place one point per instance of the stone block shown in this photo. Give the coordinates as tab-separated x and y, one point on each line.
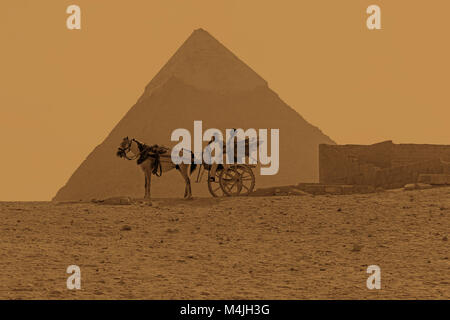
435	179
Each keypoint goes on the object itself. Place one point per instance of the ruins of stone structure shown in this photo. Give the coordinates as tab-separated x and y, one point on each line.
384	164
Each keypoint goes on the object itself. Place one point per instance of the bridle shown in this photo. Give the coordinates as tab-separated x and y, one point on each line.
144	153
127	149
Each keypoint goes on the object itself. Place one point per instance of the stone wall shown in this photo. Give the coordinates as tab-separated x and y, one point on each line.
383	164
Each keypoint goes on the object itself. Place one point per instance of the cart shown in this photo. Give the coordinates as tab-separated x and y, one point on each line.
234	180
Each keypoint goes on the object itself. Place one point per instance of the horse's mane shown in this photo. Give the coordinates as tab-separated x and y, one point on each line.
141	146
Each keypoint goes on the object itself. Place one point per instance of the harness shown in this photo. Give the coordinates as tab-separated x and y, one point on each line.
154	152
146	152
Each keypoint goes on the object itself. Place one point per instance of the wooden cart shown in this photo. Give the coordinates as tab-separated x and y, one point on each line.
235	180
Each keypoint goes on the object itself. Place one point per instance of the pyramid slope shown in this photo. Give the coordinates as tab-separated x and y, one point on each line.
206	64
174	100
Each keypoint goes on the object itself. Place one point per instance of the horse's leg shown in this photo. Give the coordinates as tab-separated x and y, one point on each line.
145	185
189	180
144	170
148	182
187	187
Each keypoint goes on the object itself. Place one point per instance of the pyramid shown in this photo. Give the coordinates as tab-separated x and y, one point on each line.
202	81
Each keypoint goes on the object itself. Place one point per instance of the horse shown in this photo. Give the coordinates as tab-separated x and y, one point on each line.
152	159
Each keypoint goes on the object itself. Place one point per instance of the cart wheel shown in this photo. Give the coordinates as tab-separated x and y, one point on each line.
229	182
214	186
247	179
237	180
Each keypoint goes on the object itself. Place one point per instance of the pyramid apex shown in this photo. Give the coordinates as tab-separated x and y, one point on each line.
201	34
200	30
205	63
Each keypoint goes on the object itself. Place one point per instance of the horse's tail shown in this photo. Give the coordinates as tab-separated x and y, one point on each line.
193	164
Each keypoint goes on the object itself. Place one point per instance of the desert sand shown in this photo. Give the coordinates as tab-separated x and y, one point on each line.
282	247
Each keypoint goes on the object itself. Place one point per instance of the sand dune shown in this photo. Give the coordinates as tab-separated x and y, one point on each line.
294	247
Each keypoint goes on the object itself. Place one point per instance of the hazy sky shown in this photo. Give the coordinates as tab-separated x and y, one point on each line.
62	91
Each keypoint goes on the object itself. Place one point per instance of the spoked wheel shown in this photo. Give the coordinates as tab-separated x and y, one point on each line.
247	180
214	186
237	180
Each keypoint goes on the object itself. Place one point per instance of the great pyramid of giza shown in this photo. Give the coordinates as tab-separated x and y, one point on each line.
202	81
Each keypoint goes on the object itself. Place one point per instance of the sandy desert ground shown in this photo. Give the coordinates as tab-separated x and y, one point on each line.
293	247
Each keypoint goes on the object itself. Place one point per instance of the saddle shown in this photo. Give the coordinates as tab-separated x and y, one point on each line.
153	152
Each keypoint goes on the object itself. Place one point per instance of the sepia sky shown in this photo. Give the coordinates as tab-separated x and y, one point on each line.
62	91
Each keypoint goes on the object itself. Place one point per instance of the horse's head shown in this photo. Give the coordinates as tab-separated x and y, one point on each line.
124	147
